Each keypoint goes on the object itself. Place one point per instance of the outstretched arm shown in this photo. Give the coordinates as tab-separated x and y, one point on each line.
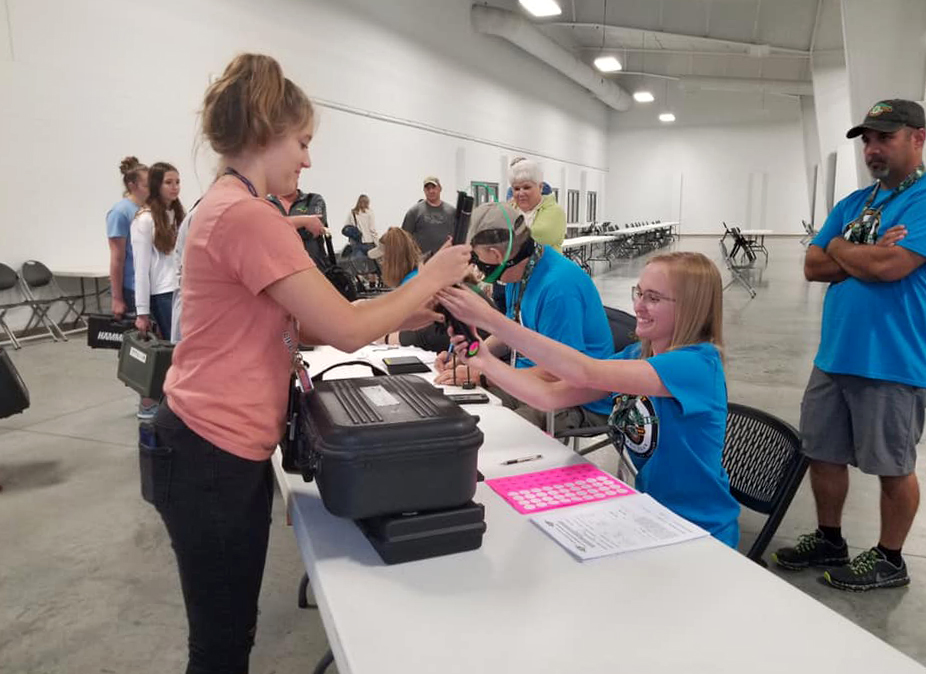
635	377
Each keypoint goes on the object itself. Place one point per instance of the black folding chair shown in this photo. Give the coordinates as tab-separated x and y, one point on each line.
41	288
738	268
809	233
762	455
12	296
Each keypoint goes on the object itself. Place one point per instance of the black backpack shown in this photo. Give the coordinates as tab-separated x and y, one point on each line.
319	248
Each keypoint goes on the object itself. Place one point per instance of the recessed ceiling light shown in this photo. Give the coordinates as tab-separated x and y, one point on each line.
667	117
643	97
608	64
541	7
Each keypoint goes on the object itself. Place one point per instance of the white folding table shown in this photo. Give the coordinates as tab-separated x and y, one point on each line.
521	603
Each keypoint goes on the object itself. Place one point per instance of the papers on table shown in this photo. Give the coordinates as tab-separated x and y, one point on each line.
635	522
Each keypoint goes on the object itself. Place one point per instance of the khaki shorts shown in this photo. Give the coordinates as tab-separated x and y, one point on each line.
869	423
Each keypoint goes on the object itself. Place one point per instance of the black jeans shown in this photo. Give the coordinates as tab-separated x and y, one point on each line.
216	507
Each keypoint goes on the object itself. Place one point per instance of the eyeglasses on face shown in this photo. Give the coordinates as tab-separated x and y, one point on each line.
650	297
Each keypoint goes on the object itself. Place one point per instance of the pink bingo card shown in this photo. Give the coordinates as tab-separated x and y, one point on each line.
558	488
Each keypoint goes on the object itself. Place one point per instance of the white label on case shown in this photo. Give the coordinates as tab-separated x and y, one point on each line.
379	396
140	356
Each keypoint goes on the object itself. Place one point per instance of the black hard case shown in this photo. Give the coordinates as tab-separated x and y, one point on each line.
14	396
105	331
143	363
412	536
399	446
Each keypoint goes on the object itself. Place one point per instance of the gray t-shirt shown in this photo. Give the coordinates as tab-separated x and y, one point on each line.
430	226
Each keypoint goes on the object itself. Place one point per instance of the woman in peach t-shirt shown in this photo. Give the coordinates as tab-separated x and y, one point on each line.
250	295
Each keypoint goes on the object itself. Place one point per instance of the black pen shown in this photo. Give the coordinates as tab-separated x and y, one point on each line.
523	459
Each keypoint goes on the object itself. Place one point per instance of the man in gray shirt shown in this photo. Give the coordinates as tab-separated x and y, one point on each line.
430	221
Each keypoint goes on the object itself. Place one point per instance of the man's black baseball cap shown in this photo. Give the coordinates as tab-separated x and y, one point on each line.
889	116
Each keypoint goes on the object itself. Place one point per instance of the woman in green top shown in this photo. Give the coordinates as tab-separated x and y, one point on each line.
545	218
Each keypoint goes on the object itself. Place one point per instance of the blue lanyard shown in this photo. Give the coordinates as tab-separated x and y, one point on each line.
232	172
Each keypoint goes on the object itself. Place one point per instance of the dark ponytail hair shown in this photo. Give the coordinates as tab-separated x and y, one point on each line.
250	104
131	170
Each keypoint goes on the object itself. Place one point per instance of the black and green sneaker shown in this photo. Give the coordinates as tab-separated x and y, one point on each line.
869	571
812	550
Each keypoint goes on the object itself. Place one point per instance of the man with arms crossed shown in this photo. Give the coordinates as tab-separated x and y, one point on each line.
864	403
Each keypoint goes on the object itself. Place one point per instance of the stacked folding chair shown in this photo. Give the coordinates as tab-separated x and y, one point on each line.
42	291
12	296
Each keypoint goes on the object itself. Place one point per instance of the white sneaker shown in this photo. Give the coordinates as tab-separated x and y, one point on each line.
146	412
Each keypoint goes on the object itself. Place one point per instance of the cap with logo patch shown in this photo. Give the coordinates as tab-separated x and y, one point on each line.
889	116
431	180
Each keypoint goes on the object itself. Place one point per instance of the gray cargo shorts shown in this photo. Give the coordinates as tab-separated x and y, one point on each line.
869	423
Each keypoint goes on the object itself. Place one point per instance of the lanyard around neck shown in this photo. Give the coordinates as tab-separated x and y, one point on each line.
232	172
864	228
904	185
522	285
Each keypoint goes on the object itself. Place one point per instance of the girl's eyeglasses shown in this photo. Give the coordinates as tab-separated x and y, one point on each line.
650	297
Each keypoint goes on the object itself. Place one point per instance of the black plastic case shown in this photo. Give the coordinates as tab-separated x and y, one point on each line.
383	445
143	363
413	536
404	365
105	331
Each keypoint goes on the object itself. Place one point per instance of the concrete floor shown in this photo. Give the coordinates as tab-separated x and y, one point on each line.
88	581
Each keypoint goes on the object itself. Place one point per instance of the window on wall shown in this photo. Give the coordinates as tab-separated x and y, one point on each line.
572	206
483	192
591	207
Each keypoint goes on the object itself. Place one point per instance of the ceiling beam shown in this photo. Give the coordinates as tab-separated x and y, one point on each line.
747	47
697	52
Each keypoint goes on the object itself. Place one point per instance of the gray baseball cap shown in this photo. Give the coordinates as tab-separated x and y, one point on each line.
889	116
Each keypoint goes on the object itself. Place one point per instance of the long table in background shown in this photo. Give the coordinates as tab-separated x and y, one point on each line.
83	274
617	243
522	604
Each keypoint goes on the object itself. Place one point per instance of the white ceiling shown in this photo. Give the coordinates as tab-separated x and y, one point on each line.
669	40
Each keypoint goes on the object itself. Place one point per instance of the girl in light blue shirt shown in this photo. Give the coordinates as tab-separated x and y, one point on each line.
669	391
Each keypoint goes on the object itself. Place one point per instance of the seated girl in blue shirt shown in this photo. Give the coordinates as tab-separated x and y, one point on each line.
670	395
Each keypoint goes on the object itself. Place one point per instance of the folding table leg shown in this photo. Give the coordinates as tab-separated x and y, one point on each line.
324	663
303	599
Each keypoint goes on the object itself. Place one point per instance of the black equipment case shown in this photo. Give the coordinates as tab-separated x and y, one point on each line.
411	536
14	396
143	363
384	445
105	331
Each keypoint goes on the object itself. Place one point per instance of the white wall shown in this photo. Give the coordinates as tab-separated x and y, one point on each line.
831	104
405	89
749	175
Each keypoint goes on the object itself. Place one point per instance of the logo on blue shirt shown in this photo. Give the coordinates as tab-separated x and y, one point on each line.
634	425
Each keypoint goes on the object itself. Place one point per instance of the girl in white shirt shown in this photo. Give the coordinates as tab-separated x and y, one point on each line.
154	235
362	217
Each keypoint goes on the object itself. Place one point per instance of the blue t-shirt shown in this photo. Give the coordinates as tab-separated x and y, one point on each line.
409	276
873	329
676	443
561	302
119	226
